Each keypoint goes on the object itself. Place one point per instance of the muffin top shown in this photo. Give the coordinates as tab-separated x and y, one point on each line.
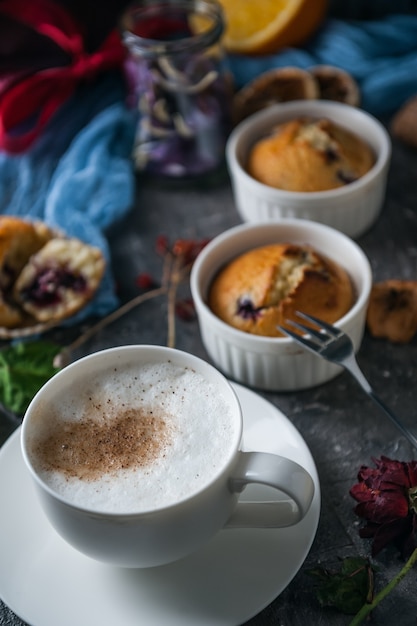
308	155
260	289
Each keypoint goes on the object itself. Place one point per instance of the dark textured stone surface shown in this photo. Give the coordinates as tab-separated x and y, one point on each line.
341	427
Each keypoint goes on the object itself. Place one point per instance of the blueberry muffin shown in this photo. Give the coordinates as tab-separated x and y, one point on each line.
59	279
263	287
309	155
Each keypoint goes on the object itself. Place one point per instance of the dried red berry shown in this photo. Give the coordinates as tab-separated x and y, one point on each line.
188	249
162	244
145	281
185	310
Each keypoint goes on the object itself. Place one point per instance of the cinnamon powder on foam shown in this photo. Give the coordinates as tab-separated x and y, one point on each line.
91	447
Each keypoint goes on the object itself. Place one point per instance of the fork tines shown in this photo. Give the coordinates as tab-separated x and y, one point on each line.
312	345
318	336
332	330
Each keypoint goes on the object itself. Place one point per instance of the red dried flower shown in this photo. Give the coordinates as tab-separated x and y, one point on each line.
188	249
387	497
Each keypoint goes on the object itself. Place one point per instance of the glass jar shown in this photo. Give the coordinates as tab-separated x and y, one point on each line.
180	86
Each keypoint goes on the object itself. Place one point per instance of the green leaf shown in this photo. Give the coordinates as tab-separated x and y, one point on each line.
24	368
347	589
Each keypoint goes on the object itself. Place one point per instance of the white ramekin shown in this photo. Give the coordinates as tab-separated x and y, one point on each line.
352	209
274	363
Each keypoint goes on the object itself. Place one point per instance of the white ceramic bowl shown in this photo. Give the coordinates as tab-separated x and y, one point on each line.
352	209
275	363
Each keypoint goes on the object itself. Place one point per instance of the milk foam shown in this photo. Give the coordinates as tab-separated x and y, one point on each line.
195	434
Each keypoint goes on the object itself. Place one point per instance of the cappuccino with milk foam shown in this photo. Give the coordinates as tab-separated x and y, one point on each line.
133	438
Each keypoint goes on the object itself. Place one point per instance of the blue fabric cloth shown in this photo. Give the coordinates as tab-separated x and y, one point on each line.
381	55
79	176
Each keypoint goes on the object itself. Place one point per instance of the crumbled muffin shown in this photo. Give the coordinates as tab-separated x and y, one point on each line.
309	155
263	287
19	239
44	276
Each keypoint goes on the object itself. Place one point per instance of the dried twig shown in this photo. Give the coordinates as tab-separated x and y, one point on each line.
178	261
63	358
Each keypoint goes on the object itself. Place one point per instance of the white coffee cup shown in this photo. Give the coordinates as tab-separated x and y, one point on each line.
179	512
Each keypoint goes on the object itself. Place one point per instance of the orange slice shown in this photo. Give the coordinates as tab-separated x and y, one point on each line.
265	26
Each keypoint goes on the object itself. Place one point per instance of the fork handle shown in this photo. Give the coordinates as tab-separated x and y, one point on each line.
352	366
407	433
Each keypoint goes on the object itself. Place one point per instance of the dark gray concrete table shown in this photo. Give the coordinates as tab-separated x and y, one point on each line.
341	427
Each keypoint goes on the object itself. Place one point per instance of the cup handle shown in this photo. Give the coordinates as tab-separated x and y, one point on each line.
277	472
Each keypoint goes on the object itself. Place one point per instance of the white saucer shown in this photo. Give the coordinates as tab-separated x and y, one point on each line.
46	582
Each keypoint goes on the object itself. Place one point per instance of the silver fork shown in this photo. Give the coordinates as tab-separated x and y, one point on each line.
336	346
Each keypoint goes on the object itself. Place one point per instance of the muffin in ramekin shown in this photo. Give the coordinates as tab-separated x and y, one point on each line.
356	199
262	288
266	362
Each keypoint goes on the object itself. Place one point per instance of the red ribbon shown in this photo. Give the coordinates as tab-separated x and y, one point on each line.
40	94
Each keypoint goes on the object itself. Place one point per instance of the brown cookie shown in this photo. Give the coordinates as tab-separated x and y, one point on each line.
336	84
404	123
392	310
272	87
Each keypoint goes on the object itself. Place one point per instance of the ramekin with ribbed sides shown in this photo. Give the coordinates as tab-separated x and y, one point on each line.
276	363
352	208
